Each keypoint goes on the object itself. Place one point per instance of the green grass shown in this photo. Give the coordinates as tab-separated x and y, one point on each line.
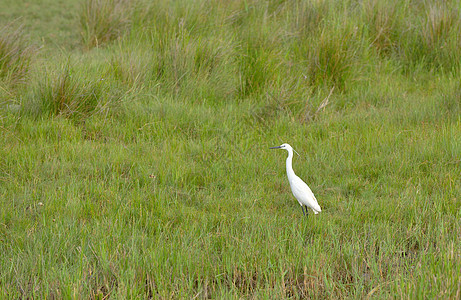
16	56
103	21
135	163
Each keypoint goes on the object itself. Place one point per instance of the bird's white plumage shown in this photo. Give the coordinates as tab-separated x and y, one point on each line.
304	194
300	189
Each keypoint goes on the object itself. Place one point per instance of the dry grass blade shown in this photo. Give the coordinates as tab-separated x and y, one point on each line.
324	102
308	112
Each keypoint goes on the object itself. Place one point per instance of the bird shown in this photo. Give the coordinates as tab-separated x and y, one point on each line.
300	190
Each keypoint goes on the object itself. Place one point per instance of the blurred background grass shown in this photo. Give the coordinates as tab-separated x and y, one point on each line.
134	156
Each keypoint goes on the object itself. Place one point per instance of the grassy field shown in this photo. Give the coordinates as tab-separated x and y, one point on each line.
134	158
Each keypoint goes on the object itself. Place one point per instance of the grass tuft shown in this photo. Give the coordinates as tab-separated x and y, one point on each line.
15	55
103	21
131	67
332	57
308	16
440	36
69	93
384	21
431	39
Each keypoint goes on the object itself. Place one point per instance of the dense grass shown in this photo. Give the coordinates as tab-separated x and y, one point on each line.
103	21
134	161
15	56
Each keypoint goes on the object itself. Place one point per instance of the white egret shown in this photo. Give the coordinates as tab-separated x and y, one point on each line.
299	188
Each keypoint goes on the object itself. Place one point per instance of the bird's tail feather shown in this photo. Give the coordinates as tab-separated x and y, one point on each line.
317	209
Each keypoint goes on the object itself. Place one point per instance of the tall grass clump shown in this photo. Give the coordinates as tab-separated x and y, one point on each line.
129	65
331	57
15	55
258	67
71	94
431	38
188	57
384	21
261	66
307	16
440	35
195	68
103	21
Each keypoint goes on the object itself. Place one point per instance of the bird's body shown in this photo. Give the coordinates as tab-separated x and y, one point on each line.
300	190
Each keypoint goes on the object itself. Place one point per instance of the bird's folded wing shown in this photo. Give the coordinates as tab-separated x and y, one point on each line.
304	194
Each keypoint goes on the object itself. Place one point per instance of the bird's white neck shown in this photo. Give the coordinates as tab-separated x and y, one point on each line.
290	171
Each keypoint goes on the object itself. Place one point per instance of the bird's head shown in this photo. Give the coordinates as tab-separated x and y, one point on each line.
286	147
283	146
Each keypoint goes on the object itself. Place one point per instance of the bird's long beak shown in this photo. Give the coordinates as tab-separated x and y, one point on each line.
278	147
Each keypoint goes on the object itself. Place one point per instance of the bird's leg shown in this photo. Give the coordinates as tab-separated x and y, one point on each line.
302	208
